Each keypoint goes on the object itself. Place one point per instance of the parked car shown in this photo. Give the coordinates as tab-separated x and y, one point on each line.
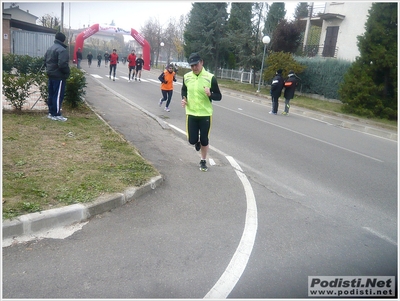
181	64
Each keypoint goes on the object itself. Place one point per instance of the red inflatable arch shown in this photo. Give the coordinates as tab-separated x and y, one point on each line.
96	27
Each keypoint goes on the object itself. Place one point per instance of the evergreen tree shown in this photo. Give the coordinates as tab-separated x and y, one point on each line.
370	86
239	35
275	14
259	10
301	10
204	32
287	37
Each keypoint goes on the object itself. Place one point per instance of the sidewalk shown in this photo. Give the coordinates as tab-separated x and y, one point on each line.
49	223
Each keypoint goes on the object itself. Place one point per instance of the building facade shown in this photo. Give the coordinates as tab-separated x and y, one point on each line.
21	15
21	35
340	23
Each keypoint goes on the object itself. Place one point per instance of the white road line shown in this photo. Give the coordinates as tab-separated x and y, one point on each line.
384	237
304	135
236	266
238	263
158	82
126	78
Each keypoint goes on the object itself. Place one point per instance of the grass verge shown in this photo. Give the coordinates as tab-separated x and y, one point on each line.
48	164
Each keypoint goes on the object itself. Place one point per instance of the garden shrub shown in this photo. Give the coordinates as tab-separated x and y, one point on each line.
8	62
20	72
281	60
17	88
75	88
323	76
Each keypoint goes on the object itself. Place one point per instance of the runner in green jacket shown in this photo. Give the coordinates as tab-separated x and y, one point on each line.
199	89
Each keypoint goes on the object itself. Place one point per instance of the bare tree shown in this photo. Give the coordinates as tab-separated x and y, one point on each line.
151	31
94	42
171	39
179	41
50	21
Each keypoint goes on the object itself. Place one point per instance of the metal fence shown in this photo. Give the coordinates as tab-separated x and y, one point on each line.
30	43
245	77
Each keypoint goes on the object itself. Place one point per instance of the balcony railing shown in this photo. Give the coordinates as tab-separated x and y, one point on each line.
318	50
311	50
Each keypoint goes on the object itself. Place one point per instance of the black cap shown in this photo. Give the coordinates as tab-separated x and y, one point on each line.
194	59
60	36
279	71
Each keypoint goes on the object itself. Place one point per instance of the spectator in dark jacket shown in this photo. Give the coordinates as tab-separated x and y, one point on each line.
290	86
276	90
79	57
56	62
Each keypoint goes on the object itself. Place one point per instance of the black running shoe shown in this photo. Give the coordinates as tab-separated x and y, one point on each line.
197	146
203	165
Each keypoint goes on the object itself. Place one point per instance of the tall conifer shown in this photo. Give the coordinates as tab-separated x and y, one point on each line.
370	86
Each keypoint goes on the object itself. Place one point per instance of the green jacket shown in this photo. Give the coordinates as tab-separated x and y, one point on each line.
198	103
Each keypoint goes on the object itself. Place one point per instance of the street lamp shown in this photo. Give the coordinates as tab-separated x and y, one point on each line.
265	40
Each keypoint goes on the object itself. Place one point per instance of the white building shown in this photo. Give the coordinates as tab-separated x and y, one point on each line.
341	23
19	14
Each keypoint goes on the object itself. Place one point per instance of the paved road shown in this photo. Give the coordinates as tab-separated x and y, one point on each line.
313	199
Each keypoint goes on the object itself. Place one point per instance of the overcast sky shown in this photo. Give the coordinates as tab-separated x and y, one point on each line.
126	14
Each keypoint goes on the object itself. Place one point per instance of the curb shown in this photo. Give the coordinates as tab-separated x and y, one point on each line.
29	224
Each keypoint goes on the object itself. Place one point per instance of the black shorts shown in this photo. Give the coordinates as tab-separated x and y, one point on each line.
132	68
138	68
198	125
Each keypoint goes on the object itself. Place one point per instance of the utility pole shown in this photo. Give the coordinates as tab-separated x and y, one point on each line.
308	26
62	17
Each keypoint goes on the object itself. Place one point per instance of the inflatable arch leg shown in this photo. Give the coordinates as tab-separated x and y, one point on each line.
95	28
